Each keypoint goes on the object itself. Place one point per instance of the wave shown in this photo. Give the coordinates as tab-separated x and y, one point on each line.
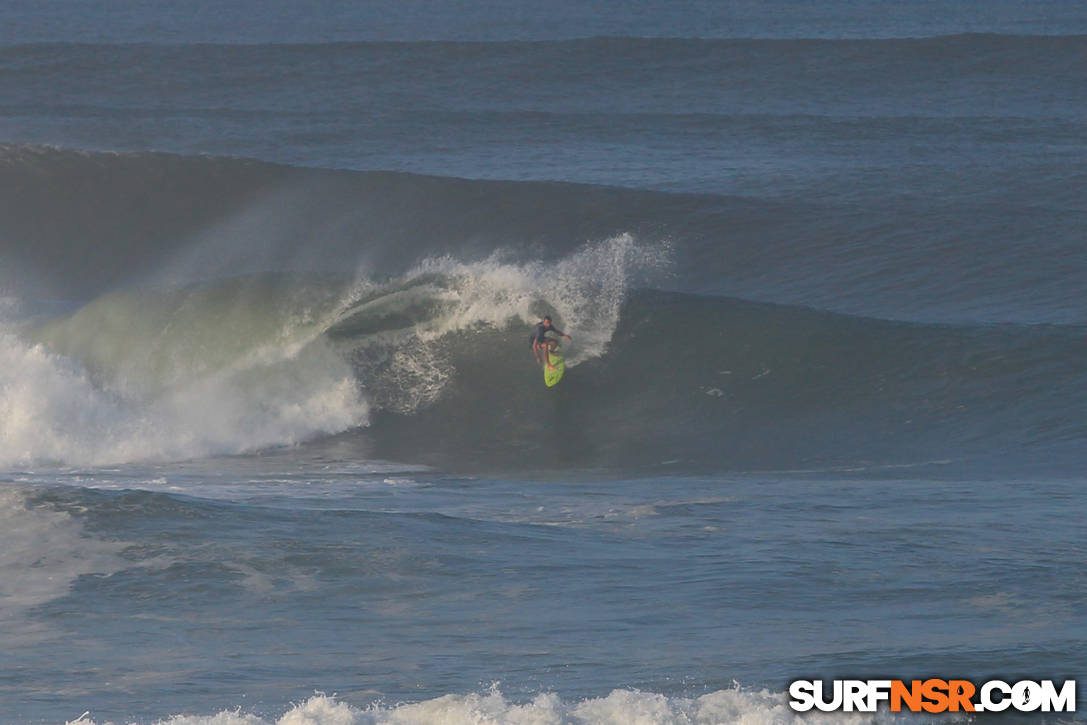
148	218
434	368
794	69
946	75
620	706
182	307
235	365
55	543
124	219
55	411
990	39
243	22
702	382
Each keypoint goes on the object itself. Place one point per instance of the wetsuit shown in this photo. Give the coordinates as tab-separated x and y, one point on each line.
540	334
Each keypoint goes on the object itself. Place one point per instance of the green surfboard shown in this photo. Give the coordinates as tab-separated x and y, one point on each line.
553	374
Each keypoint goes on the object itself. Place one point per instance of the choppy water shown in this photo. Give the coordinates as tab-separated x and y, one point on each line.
272	444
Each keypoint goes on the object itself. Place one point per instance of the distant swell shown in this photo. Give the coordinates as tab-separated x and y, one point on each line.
993	50
628	75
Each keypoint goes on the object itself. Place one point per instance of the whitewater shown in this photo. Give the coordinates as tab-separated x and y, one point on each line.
273	445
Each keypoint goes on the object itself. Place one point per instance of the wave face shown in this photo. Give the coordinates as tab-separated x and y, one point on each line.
144	218
234	365
723	384
190	307
438	361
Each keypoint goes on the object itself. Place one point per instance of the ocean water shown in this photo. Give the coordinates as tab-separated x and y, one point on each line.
273	447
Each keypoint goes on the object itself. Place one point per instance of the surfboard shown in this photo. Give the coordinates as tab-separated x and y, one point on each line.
553	376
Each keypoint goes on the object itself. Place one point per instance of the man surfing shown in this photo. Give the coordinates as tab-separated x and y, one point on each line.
542	343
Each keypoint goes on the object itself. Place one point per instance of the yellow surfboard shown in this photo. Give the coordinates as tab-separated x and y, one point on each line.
553	374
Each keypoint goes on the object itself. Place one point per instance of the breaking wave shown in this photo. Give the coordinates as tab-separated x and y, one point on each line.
236	365
184	307
736	705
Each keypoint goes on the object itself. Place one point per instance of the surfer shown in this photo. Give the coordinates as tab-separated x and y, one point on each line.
540	340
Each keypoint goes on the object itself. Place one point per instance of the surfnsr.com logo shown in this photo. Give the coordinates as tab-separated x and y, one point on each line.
932	696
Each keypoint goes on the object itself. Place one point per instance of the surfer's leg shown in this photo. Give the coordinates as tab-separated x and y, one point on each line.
549	347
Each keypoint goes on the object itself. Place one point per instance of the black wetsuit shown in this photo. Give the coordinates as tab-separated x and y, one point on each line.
540	334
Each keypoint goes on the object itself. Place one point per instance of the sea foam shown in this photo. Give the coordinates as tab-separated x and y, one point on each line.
734	706
54	410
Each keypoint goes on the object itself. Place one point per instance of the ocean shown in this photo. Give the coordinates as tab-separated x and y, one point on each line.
274	447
